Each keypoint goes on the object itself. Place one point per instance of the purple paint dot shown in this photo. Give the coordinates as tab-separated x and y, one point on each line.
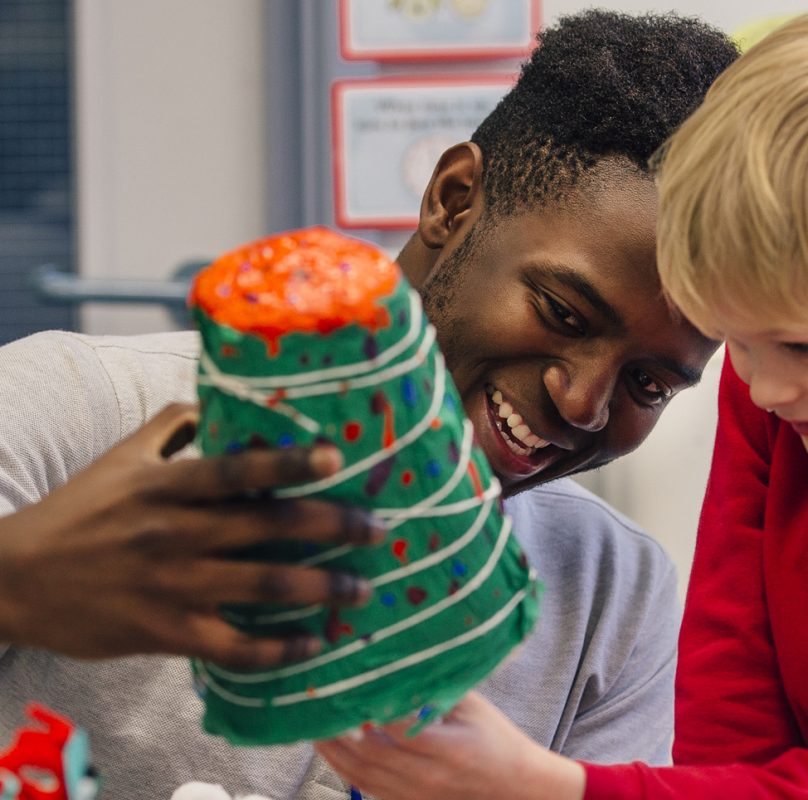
454	453
251	298
304	359
371	349
402	317
378	476
378	402
327	360
345	266
245	267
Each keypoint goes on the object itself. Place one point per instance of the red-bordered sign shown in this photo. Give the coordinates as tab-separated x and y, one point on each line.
437	30
388	134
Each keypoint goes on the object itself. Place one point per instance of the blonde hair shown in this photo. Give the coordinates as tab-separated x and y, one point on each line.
733	190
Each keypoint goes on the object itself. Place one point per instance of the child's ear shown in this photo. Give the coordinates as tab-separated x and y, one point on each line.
455	187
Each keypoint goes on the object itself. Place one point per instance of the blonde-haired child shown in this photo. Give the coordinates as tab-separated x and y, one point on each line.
733	256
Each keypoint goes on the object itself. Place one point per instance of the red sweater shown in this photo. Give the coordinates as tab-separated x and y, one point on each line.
742	681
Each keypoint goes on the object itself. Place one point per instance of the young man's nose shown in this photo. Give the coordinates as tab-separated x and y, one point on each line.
582	397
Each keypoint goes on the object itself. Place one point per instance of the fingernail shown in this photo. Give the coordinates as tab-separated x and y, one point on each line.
378	530
325	460
301	648
351	589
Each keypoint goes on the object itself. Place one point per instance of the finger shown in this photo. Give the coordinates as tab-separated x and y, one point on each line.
399	731
250	522
211	583
231	475
471	705
209	637
166	433
350	768
375	762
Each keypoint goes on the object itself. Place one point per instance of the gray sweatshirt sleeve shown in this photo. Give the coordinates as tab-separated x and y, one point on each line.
595	679
58	412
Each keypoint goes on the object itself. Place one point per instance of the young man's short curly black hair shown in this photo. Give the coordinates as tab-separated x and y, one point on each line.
599	84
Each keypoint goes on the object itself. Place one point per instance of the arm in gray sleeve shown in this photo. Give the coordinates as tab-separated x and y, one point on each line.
594	681
58	412
631	717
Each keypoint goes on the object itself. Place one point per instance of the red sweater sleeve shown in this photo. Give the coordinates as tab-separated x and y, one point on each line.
731	707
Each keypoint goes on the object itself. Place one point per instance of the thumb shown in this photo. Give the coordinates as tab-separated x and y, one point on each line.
167	432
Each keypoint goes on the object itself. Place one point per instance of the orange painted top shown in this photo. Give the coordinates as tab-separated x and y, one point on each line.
309	280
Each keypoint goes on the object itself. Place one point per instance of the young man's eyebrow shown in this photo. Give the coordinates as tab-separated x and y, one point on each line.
690	375
580	284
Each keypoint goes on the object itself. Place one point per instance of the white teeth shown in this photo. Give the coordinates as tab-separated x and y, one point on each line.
527	442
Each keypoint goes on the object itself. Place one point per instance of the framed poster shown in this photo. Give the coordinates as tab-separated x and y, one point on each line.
413	30
388	135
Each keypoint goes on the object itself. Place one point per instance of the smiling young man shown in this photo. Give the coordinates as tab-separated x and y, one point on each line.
535	258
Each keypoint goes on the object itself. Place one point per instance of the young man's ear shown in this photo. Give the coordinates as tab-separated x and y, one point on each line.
453	191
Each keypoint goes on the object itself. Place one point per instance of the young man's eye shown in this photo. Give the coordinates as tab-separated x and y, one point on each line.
652	390
562	314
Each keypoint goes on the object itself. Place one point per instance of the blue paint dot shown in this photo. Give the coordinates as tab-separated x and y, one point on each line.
425	712
459	568
449	402
409	392
388	599
234	447
433	468
286	440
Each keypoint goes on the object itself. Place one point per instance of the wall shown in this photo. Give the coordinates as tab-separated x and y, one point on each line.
171	146
172	165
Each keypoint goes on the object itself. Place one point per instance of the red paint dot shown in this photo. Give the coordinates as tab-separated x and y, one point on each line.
434	541
436	423
399	548
352	431
406	477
